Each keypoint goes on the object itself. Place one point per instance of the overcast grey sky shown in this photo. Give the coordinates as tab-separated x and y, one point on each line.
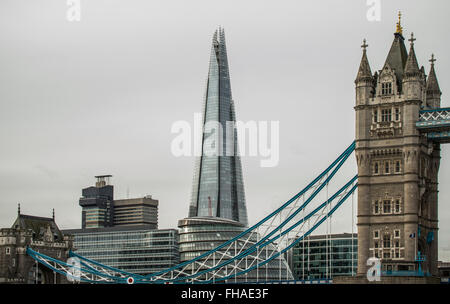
99	96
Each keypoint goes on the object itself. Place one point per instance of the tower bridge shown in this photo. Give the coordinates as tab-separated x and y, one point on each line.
400	126
435	124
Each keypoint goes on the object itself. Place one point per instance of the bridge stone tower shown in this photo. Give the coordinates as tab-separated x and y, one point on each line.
397	164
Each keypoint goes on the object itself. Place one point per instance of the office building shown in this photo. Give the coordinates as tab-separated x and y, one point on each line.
324	256
136	211
97	204
136	249
218	187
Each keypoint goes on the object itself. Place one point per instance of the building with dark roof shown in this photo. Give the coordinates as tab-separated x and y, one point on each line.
40	234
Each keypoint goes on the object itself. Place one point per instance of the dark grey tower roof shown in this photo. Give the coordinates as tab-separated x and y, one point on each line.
397	56
364	72
412	66
218	188
432	82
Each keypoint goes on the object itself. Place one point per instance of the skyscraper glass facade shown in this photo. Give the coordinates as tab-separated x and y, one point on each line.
218	188
134	249
322	256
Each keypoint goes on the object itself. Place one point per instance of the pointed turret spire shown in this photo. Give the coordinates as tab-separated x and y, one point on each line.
398	54
432	83
411	66
364	71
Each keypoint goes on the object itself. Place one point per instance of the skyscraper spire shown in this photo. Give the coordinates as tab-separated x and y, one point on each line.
218	188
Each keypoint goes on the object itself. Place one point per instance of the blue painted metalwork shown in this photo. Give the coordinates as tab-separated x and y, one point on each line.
119	276
435	124
344	156
295	241
258	245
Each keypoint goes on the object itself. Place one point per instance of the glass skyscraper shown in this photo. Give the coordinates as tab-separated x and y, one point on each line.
218	189
217	211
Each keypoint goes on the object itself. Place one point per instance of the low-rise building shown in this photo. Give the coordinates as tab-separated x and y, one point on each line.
136	249
40	234
324	256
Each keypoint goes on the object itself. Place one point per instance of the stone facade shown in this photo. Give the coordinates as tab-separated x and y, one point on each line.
40	234
397	165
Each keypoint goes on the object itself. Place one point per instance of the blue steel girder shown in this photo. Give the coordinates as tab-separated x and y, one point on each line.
435	124
282	224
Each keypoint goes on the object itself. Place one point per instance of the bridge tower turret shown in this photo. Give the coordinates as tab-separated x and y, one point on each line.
397	165
365	89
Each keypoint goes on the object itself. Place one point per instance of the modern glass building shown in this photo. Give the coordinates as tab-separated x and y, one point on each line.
136	249
202	234
218	188
217	211
324	256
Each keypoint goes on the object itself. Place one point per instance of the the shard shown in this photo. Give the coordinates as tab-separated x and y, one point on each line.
218	189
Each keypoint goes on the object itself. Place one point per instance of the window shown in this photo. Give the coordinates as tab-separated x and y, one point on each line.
386	167
376	208
386	88
376	234
387	206
397	114
397	244
387	241
386	115
396	233
8	250
387	255
397	206
397	254
376	169
375	115
376	254
397	166
376	244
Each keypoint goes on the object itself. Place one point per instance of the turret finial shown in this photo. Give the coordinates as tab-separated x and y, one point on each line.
432	60
53	213
18	208
364	45
412	39
399	26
